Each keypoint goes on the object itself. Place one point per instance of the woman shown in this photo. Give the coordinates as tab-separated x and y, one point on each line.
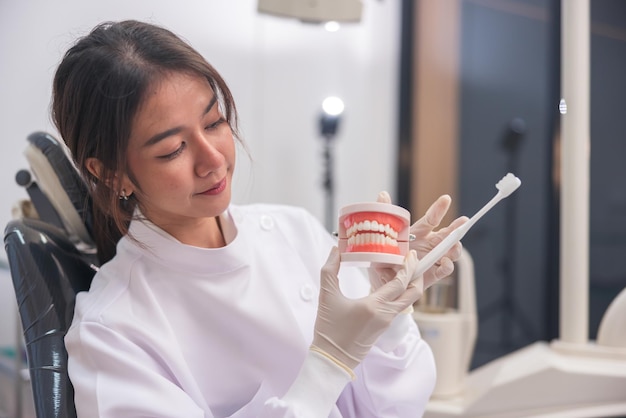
204	308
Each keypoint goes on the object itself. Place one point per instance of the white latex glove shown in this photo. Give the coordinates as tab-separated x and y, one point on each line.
346	329
426	238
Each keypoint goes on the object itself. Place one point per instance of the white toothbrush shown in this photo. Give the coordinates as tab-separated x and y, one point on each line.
507	185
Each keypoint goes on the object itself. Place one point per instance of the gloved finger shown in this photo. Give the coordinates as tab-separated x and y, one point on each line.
375	274
392	289
380	275
445	231
404	302
375	279
413	293
385	274
383	197
443	269
432	239
329	279
432	218
455	252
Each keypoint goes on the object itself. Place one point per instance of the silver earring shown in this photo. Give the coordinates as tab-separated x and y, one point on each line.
123	196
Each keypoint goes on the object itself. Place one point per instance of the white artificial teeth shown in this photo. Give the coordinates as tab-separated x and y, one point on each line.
372	238
371	226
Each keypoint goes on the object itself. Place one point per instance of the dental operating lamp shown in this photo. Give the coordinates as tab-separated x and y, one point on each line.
332	109
317	11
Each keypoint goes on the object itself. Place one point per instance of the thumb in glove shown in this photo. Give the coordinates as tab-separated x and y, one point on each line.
346	329
377	275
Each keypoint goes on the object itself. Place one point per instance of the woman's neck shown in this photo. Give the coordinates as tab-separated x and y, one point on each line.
204	233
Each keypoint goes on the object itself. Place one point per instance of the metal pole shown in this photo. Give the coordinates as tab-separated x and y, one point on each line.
575	144
329	184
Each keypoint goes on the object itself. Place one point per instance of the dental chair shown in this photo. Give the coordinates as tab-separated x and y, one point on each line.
51	258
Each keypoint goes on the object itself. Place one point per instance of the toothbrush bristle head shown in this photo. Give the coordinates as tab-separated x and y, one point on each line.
508	184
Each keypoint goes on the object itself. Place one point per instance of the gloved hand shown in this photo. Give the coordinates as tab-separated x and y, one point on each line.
426	239
346	329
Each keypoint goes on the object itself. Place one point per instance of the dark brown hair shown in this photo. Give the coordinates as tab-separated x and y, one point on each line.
98	88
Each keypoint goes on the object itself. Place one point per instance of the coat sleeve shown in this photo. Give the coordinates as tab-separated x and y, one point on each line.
393	382
114	377
388	384
314	392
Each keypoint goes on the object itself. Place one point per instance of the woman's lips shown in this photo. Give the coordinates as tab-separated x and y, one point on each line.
217	189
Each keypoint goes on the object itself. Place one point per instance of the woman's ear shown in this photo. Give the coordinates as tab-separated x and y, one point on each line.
94	166
121	187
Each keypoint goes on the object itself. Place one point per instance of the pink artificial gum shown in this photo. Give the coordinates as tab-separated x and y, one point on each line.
381	213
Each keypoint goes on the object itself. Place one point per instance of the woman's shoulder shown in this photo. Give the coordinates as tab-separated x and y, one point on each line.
290	225
283	212
109	288
279	208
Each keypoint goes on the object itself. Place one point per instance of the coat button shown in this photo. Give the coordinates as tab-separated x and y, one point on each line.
307	292
267	222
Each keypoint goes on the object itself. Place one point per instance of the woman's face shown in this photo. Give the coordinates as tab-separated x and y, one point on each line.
182	155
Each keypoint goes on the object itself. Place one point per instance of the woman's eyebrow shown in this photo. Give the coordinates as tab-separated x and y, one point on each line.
173	131
162	135
210	105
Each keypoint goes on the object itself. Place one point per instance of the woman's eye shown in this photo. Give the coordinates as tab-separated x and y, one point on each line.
175	153
215	124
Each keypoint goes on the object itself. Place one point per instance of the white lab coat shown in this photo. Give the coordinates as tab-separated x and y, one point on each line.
170	330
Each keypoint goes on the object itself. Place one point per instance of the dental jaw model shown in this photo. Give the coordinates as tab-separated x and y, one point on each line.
373	233
379	232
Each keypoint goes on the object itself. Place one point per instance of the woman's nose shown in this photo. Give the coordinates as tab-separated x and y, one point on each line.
208	157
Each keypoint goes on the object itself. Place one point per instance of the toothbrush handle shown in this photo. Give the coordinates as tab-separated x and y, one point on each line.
455	236
498	197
